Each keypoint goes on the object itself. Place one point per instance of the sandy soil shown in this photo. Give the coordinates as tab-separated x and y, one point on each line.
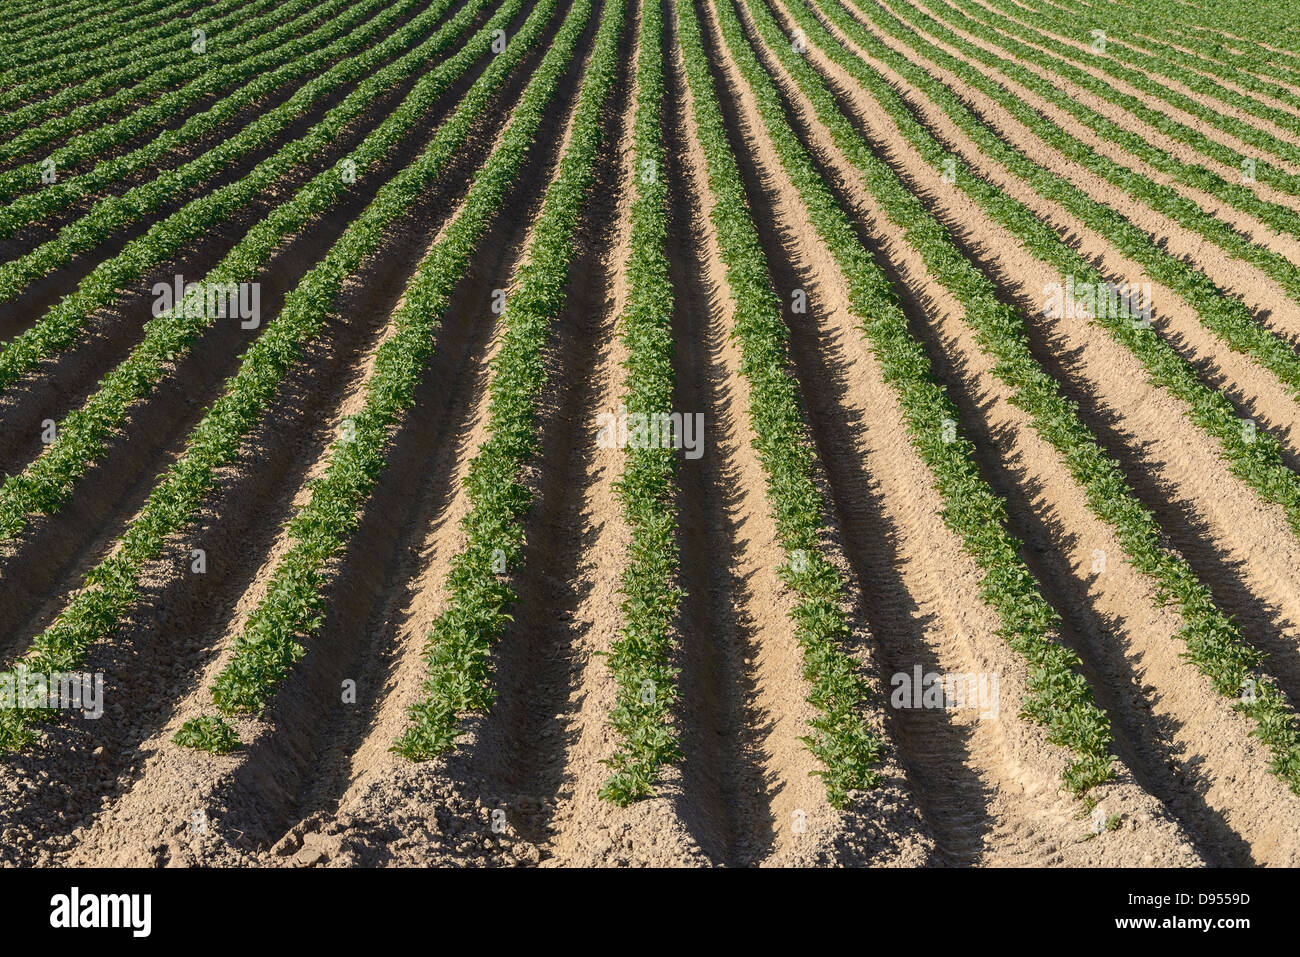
316	783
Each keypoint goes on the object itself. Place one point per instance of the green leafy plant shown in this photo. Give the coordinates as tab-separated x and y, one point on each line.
647	489
207	734
458	645
840	738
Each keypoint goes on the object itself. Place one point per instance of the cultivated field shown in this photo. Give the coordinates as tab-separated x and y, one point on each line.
623	432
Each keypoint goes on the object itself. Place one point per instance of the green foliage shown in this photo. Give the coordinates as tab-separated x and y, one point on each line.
458	650
105	93
82	435
112	587
54	40
293	607
1169	62
1057	61
640	654
841	740
284	60
1165	22
1060	698
64	321
1224	315
1112	65
1141	41
1215	643
207	734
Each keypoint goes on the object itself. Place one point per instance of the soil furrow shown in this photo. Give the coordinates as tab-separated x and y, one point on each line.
735	614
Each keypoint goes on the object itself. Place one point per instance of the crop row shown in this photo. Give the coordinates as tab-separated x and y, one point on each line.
1059	697
28	22
639	658
1277	216
89	145
1265	172
64	36
841	739
1224	315
1196	55
1244	53
1229	124
458	645
91	78
1237	43
48	120
1059	26
294	607
300	58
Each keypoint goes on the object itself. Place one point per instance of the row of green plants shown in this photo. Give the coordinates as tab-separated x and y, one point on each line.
70	74
82	435
1059	697
39	65
840	739
1244	131
1272	23
458	646
1225	315
1281	218
1253	455
65	36
1266	173
294	607
1215	643
286	63
640	657
46	121
63	322
157	62
1230	49
1164	64
113	586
